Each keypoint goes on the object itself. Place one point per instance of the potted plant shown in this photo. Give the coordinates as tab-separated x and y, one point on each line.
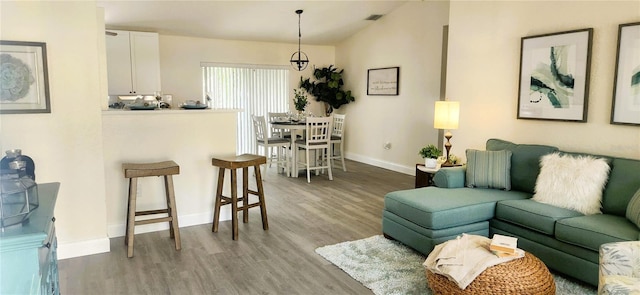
300	101
327	88
430	154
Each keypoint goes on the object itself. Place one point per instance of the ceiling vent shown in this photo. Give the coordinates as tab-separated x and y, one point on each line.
374	17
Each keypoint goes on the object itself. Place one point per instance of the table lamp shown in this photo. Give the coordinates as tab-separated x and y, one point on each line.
446	116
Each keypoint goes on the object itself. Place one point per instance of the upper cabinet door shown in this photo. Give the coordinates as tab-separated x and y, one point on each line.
119	64
145	62
133	63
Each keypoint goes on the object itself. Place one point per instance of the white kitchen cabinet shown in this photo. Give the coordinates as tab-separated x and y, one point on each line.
133	63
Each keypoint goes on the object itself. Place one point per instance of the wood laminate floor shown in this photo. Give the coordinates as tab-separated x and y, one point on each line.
302	217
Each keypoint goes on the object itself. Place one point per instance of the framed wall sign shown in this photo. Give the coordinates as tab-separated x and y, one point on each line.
626	86
554	76
383	81
24	84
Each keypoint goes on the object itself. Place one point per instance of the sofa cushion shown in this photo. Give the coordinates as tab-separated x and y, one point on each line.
525	161
623	183
439	208
591	231
489	169
572	182
633	209
533	215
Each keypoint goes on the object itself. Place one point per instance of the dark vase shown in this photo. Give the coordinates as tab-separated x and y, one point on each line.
16	162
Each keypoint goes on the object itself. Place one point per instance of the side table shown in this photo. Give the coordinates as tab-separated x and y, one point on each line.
424	175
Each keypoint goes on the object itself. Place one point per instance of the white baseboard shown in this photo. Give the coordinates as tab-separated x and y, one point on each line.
83	248
382	164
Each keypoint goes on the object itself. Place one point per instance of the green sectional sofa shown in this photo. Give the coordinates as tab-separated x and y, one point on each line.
566	240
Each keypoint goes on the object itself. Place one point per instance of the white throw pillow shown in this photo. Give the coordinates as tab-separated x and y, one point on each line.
570	182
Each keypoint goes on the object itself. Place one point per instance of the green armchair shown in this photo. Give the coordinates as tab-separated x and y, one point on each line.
619	268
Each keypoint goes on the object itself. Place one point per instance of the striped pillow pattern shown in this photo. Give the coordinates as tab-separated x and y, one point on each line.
489	169
633	209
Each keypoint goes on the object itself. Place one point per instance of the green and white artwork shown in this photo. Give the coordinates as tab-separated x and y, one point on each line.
626	90
552	80
554	76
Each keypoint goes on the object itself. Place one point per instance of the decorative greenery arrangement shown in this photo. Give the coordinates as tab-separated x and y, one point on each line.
300	101
328	88
430	151
452	158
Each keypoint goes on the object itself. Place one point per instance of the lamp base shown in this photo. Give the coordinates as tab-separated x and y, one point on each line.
447	146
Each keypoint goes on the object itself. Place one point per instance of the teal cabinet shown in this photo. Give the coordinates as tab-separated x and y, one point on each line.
28	261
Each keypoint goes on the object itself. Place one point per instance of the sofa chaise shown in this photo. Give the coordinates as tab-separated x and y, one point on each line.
500	190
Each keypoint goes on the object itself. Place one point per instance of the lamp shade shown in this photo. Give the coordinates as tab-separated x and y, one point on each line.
446	115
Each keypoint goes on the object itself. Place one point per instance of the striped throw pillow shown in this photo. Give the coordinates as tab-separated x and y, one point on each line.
489	169
633	209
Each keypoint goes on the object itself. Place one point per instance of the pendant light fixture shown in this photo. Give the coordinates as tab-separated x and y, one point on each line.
299	59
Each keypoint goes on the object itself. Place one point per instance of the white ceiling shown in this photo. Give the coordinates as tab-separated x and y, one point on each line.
322	22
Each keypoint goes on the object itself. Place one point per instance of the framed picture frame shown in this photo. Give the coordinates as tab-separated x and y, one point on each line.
383	81
625	108
554	76
24	79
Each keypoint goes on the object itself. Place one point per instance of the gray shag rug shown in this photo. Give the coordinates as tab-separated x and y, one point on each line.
388	267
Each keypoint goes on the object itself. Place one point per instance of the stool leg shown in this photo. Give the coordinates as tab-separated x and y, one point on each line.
169	212
234	203
245	194
174	229
263	205
126	235
131	215
216	207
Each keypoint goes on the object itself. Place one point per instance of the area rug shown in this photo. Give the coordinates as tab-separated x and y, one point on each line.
388	267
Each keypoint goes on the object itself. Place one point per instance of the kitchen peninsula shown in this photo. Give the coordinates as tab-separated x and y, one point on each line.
188	137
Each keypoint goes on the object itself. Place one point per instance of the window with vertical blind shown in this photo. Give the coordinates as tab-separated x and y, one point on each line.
256	89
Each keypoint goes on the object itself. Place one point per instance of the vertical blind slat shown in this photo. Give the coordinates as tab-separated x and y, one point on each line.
255	90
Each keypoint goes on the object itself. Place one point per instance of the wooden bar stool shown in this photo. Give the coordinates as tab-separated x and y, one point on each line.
233	162
135	170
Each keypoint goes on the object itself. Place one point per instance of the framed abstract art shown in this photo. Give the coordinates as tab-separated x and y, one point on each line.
554	76
24	82
625	109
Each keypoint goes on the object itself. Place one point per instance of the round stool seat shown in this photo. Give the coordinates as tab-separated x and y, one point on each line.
526	275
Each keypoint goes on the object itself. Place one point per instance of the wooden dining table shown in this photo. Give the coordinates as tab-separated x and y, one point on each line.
295	127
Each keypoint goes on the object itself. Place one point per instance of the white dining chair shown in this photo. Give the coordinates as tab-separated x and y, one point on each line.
282	145
277	132
317	138
337	137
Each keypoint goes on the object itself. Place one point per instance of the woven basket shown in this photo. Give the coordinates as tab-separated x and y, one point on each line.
526	275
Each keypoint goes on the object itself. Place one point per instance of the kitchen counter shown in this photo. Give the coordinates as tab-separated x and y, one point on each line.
111	112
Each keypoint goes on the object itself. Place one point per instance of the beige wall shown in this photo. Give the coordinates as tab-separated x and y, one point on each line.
185	137
410	38
180	59
484	54
66	144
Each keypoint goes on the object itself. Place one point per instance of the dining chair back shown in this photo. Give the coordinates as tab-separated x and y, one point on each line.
281	145
337	137
317	138
277	132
